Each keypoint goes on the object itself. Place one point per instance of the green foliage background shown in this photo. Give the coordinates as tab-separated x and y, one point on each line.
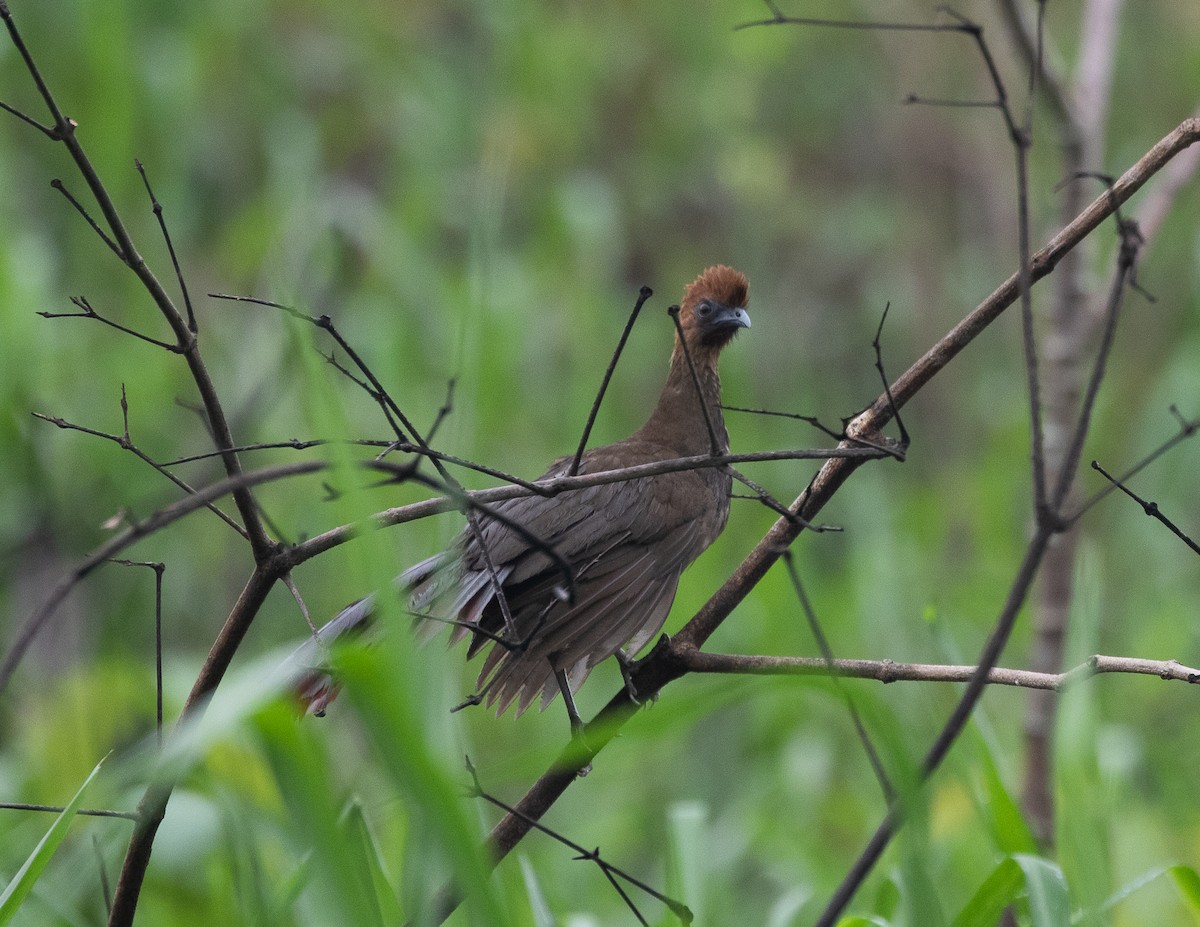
477	190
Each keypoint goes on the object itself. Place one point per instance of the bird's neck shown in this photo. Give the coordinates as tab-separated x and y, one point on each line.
678	421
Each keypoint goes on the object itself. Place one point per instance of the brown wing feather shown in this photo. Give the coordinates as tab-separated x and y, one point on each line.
628	543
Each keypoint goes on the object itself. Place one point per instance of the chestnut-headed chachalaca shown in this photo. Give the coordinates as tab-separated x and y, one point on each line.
626	542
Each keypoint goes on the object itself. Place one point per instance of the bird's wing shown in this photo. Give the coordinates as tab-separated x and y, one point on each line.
581	523
627	543
626	603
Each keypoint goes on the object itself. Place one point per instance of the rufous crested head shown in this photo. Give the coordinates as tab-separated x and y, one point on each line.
714	307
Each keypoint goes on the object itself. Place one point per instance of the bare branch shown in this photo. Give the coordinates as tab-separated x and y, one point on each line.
1150	508
678	909
125	443
889	671
58	809
162	224
713	444
643	295
87	312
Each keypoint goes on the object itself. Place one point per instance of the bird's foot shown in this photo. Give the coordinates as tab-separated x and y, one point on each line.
628	664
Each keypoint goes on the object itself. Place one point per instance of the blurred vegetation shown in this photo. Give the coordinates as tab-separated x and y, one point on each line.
477	191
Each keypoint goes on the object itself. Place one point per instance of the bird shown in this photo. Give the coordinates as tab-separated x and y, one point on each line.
626	543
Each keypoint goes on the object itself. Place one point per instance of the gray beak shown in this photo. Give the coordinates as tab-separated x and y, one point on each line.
731	317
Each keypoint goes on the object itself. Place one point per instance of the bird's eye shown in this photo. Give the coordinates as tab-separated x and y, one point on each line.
704	310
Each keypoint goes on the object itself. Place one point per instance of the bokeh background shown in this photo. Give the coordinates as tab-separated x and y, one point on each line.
476	191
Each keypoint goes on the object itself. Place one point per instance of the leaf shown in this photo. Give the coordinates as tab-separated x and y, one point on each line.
689	852
542	915
22	883
1187	881
998	891
1049	903
370	860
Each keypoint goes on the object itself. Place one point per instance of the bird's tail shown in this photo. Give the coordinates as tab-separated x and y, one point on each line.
315	687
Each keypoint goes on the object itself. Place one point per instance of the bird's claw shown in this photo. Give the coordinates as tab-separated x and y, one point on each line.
628	664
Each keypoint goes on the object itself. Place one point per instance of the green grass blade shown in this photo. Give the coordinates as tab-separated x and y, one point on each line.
1049	903
22	883
998	891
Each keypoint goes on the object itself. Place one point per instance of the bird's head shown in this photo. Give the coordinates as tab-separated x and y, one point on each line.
714	308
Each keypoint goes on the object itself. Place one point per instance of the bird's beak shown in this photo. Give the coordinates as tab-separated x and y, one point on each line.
731	317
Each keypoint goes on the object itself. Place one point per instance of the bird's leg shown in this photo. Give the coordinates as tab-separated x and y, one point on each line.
578	741
572	712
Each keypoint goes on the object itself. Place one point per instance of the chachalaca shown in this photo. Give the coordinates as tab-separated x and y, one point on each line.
626	542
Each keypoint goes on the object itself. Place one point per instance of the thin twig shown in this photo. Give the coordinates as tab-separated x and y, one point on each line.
89	313
1187	429
860	729
58	809
1126	262
159	569
713	444
124	442
677	908
1150	508
162	224
643	295
112	245
48	131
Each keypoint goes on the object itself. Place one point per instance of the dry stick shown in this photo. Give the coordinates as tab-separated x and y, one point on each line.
87	312
643	295
124	441
887	449
1150	508
58	185
679	909
58	809
159	569
667	662
1022	139
443	411
889	671
162	225
1187	429
1050	84
404	447
553	486
714	446
1126	263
